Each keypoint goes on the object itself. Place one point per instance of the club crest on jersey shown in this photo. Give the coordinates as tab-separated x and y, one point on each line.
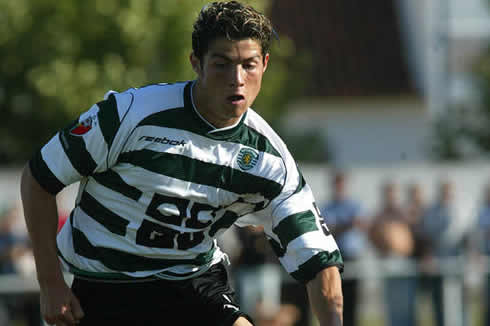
247	158
82	127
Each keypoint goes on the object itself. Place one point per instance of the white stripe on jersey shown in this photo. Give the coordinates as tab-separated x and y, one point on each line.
223	153
59	164
65	239
306	246
297	203
141	178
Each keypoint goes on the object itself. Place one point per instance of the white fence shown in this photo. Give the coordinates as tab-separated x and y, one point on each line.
469	180
455	273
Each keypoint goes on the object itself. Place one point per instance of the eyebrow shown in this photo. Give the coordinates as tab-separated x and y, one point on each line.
224	57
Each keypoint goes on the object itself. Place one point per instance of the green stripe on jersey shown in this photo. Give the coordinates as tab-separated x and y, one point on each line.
181	118
195	171
75	149
252	138
177	118
95	275
308	270
276	247
108	119
111	221
294	226
126	262
113	180
224	222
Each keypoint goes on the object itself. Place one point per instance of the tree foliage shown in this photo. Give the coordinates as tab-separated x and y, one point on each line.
462	132
57	58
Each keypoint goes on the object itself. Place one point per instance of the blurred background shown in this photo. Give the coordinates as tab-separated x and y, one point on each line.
385	105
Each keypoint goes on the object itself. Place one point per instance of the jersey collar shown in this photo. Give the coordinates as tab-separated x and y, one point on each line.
206	128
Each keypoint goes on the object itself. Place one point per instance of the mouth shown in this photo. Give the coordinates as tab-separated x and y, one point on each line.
236	99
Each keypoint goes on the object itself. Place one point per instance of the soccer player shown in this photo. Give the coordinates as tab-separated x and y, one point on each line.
163	171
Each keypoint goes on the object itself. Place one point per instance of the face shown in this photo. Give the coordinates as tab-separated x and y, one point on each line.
415	193
390	193
446	192
229	79
339	186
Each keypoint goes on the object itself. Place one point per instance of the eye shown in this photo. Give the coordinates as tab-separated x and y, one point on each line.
219	65
249	66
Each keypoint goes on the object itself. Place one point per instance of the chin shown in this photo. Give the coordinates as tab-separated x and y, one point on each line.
238	110
241	111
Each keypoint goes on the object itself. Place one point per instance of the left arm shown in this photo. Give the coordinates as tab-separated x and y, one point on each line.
325	294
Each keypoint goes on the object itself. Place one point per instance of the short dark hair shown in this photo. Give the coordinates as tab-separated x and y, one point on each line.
231	20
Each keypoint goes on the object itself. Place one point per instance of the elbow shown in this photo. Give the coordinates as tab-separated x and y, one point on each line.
333	309
333	298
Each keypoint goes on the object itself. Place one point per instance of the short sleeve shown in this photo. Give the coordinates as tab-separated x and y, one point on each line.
298	233
83	147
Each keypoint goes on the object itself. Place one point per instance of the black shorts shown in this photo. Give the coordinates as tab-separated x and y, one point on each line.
205	300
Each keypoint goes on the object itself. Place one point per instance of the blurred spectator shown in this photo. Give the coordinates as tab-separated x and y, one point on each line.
344	219
415	204
11	245
257	274
391	234
483	234
16	258
391	228
443	240
415	210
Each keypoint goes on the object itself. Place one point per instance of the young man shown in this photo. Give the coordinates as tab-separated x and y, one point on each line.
163	171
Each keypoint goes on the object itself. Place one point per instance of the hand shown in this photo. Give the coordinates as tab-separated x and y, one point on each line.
59	306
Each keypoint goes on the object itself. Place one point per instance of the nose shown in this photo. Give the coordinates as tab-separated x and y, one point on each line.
237	76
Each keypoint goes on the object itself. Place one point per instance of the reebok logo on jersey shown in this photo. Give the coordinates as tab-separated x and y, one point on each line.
247	158
82	127
163	140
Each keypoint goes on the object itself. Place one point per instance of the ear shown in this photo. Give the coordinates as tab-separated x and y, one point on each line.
196	64
266	60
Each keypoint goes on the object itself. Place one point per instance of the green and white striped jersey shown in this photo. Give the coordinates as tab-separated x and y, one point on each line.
158	184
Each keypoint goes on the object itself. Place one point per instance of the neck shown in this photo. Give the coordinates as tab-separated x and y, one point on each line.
202	106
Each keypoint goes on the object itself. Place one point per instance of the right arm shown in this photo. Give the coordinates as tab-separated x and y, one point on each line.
58	304
77	151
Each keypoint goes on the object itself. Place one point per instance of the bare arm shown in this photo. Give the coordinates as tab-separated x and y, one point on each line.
325	294
41	214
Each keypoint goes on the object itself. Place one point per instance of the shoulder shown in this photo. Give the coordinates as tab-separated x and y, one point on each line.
139	103
258	124
159	96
